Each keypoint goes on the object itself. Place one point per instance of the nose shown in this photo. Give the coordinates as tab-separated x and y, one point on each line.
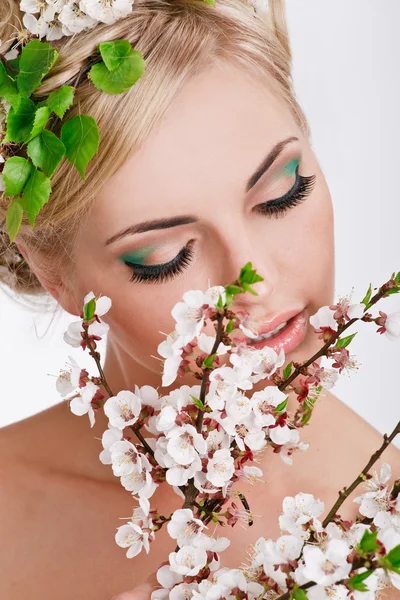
244	251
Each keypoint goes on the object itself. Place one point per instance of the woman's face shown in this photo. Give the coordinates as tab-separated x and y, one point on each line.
193	205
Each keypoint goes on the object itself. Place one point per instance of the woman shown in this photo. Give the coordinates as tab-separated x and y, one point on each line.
206	164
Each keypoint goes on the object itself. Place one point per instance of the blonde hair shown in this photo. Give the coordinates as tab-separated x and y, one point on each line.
177	39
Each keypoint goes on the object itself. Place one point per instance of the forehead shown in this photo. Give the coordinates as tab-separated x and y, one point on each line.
212	137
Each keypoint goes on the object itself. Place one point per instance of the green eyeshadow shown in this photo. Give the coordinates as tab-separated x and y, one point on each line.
290	168
138	257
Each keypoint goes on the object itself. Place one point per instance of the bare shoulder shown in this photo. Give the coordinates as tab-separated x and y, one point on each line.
350	434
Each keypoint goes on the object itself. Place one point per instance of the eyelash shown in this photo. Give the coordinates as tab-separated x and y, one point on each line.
301	189
161	273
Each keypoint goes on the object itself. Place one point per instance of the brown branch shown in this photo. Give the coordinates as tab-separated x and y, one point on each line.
146	446
345	492
96	357
217	341
190	490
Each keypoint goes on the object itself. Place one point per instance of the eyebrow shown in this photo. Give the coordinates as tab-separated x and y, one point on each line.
167	223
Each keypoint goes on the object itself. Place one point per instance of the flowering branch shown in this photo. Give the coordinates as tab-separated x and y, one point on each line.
345	492
390	286
206	435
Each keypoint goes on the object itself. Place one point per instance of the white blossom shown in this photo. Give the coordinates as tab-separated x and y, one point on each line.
299	512
125	458
190	313
183	527
324	318
292	445
142	486
68	381
188	560
325	567
261	7
220	467
106	12
109	437
123	409
206	344
238	407
280	434
377	503
81	404
183	591
184	443
148	396
392	326
220	390
270	554
246	432
131	536
180	474
217	439
265	402
98	328
171	350
74	19
167	578
265	362
250	474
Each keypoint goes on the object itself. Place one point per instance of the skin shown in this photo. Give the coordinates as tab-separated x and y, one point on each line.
63	521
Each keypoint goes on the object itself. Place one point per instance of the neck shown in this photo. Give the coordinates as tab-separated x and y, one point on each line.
122	372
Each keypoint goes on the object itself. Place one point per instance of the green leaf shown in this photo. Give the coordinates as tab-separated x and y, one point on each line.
394	557
287	370
367	296
36	60
14	66
357	581
233	289
80	137
212	2
230	327
281	407
391	291
345	341
8	87
46	151
197	402
114	53
89	309
20	121
368	542
120	79
248	288
35	194
42	115
220	303
61	99
16	173
14	217
229	299
299	594
208	362
249	275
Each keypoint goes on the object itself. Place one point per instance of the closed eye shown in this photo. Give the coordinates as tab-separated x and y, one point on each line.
162	272
278	208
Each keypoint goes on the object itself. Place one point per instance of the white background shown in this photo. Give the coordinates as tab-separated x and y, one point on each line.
347	78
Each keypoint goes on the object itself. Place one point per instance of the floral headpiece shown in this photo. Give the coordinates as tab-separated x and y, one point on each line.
30	123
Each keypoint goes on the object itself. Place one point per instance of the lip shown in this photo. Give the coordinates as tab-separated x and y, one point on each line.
287	338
